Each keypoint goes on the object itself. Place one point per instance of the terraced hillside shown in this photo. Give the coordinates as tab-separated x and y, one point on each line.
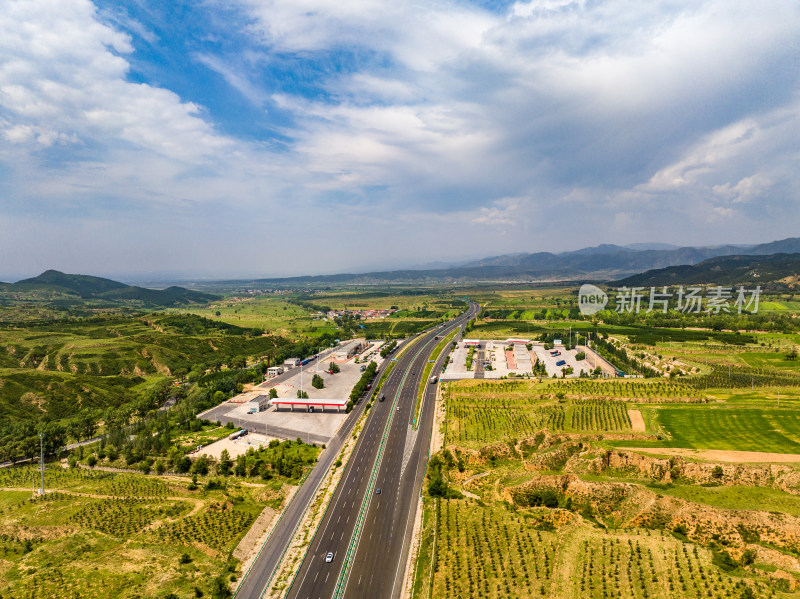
56	367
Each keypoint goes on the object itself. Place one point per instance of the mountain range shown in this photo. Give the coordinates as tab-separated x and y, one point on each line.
723	270
85	287
601	263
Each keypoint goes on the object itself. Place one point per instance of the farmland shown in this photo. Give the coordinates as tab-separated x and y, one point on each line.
541	499
490	551
756	428
481	413
101	534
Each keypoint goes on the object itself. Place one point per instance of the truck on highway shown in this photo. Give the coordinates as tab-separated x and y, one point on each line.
434	380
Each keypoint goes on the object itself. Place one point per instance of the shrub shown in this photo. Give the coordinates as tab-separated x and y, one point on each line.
317	382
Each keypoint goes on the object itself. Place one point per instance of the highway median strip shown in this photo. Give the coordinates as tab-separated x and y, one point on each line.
437	352
344	575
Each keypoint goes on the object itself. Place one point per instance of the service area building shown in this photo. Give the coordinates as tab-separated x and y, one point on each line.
309	405
258	404
472	342
274	371
349	349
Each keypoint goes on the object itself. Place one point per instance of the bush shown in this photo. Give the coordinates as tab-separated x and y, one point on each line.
724	561
317	382
183	465
91	460
200	466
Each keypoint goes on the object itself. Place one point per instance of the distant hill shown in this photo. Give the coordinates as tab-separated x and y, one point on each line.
88	287
603	262
83	285
746	270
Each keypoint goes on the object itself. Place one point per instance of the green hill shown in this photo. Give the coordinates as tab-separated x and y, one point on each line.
53	282
726	271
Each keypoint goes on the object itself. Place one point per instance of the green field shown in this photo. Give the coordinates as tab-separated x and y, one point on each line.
736	497
99	534
732	428
275	314
481	413
471	549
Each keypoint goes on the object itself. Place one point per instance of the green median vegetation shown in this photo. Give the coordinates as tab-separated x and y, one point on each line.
426	373
361	386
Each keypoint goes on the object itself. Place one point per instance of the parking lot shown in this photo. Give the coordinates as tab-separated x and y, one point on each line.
567	356
514	359
317	427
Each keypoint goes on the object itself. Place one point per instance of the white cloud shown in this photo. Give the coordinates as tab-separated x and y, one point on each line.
587	117
62	74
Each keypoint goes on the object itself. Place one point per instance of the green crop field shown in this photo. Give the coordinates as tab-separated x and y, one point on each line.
769	360
100	534
470	549
732	428
480	413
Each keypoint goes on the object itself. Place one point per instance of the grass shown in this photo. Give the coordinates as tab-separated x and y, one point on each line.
274	314
736	497
100	534
732	428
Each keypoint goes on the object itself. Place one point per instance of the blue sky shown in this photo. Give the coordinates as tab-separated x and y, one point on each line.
268	137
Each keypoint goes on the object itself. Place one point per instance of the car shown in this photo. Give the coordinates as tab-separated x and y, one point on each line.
398	408
382	397
378	491
329	557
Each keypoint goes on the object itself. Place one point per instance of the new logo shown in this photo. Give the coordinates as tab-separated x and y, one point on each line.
591	299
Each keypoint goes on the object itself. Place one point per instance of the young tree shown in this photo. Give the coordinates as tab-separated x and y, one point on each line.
200	466
273	393
333	368
317	382
224	466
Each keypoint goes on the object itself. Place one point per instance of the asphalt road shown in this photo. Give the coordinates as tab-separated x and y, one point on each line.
370	562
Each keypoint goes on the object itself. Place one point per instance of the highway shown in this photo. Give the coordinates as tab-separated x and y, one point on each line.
368	531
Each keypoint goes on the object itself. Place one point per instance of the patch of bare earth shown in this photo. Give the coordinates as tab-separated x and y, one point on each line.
637	422
246	550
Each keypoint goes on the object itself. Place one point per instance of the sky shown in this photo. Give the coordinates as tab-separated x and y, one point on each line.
240	138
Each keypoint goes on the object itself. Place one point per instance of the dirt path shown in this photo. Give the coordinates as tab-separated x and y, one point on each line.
718	455
637	422
476	477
